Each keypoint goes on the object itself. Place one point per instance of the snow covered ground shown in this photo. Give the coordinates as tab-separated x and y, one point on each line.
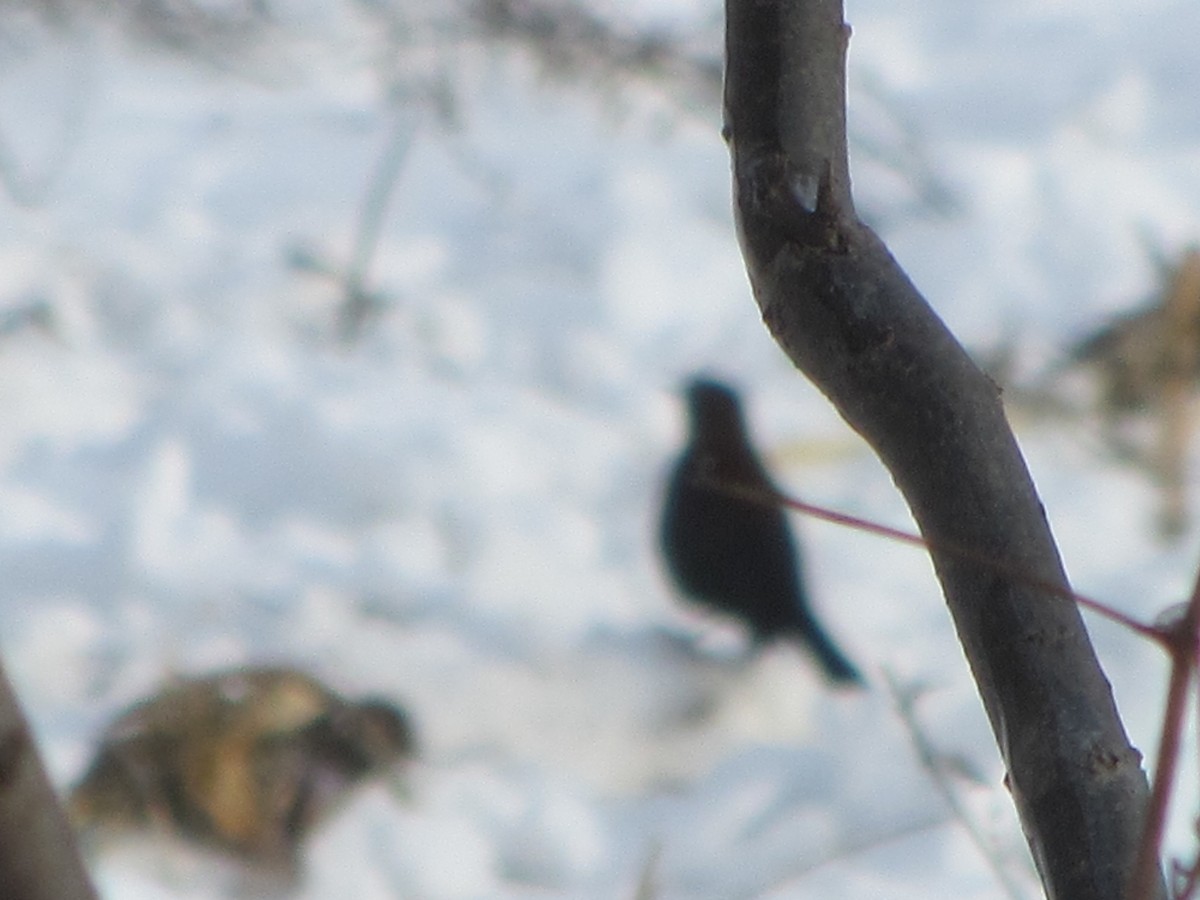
458	509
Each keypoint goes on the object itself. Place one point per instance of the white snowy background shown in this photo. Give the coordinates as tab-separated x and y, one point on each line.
458	509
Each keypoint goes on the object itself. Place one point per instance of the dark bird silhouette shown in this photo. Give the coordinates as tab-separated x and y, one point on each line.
732	554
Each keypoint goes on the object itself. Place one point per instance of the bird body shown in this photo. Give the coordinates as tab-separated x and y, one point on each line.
244	762
731	553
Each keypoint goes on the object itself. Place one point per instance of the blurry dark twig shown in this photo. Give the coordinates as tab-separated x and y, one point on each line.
936	766
1180	638
892	140
647	885
225	35
361	304
572	41
852	849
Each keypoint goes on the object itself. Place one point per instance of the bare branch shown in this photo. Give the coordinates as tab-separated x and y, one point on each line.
850	319
38	857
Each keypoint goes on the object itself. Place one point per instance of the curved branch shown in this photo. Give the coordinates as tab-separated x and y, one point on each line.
850	319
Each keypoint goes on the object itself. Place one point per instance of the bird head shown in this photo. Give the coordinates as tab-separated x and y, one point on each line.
714	409
711	399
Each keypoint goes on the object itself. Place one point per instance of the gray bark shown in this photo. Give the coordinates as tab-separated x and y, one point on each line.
849	318
38	855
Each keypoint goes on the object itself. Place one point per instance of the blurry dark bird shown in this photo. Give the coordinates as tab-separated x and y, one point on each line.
732	554
244	762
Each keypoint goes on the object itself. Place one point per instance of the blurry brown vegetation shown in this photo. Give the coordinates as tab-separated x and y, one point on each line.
1148	362
1143	374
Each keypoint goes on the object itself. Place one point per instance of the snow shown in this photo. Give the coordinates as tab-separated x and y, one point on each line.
458	510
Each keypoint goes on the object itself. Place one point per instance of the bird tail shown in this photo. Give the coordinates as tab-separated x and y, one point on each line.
833	661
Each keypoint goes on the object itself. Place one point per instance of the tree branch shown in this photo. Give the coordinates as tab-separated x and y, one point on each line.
850	319
38	857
